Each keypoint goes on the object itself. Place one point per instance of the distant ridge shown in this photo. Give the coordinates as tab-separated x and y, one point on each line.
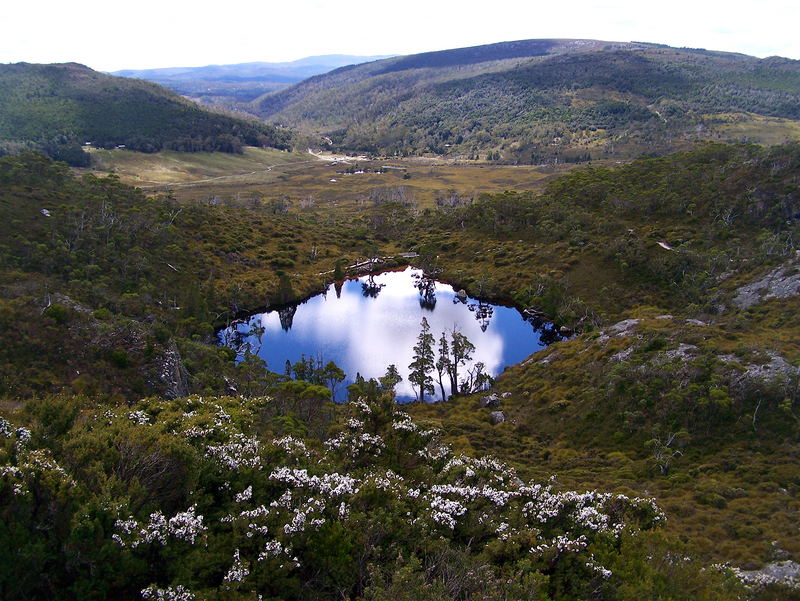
242	82
546	100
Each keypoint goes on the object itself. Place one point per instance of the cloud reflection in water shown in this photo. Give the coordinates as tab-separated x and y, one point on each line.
365	332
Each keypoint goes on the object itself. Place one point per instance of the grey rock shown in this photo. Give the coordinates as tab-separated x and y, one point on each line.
696	322
496	417
491	400
776	369
544	360
173	374
623	355
622	328
462	294
684	351
781	282
785	573
63	299
505	395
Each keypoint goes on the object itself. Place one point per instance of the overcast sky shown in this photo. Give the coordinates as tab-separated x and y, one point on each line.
111	34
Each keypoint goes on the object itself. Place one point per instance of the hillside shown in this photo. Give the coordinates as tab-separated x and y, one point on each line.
241	82
135	456
540	101
58	107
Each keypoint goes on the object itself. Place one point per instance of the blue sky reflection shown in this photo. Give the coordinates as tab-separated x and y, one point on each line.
364	335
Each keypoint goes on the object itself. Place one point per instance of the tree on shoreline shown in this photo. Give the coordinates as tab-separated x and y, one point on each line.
443	364
423	362
461	350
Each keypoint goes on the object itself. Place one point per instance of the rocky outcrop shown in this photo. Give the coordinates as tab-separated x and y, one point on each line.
781	282
619	329
776	369
781	573
496	417
684	352
623	355
63	299
172	374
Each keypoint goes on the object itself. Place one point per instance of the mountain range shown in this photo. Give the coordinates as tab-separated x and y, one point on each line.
535	101
242	82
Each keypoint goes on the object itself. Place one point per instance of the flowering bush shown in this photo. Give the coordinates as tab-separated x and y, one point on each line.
265	516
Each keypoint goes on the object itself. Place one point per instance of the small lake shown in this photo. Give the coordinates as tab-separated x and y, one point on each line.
368	323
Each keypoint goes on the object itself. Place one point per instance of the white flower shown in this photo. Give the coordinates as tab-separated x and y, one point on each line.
140	418
240	451
185	525
245	495
238	571
179	593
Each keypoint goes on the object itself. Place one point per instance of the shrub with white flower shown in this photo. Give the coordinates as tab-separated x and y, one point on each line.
140	418
184	526
262	509
179	593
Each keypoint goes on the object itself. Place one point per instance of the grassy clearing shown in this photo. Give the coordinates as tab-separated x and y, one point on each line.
170	167
756	128
304	179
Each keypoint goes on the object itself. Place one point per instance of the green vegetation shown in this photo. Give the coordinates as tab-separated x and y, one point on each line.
542	101
231	498
58	108
678	386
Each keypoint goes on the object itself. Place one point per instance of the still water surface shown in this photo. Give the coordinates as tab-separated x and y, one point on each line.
366	324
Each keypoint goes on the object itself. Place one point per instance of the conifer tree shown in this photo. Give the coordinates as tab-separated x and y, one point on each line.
423	362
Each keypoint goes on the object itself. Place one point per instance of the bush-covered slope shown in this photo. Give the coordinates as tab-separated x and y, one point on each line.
71	104
676	271
228	498
537	100
97	278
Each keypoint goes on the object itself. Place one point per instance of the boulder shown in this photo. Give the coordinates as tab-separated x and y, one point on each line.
490	401
462	294
496	417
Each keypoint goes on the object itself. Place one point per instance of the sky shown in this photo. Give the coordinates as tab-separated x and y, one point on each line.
111	35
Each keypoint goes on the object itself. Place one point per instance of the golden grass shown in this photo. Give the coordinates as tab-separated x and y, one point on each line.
182	168
298	176
755	128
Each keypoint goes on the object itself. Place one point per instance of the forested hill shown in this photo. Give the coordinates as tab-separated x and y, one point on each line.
62	105
538	100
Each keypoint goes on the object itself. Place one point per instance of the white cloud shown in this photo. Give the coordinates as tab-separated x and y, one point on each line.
110	35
